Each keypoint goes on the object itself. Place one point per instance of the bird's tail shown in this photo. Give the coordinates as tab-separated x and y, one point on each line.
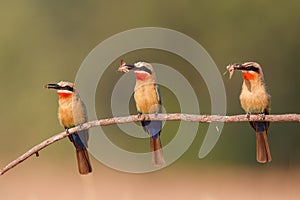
83	161
263	153
156	150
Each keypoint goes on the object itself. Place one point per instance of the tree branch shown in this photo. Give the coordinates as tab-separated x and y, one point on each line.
159	117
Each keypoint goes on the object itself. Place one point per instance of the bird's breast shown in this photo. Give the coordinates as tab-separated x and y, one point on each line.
146	98
254	98
71	112
66	117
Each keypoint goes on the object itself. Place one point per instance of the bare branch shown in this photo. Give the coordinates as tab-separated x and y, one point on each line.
159	117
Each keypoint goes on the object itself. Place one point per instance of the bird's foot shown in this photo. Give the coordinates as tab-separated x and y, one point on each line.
262	115
67	130
139	114
248	115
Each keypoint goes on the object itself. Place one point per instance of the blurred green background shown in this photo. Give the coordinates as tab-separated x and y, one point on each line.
46	41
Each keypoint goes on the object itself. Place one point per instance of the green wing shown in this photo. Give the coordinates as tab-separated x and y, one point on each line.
158	94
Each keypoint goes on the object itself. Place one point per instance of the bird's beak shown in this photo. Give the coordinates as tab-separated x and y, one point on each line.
52	86
126	67
130	67
237	66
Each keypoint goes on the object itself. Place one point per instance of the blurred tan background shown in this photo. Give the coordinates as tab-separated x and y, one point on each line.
46	41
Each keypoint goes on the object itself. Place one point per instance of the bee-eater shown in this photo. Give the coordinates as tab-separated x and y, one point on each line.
148	100
72	112
255	98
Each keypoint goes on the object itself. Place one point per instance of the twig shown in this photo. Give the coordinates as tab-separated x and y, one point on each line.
160	117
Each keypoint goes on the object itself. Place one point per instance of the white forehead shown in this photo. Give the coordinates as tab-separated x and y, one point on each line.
251	63
248	63
64	83
139	64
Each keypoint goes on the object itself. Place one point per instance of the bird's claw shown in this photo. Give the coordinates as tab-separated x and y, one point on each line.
262	116
248	115
139	114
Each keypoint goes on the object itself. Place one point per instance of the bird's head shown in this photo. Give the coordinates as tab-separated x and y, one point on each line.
64	89
250	70
142	70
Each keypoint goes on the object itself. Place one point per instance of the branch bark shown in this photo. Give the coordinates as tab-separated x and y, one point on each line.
160	117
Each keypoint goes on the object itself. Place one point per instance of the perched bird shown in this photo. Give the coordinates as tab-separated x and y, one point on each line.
255	99
148	100
72	112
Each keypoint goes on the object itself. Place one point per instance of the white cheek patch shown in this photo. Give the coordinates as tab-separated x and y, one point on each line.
139	64
250	72
64	91
141	72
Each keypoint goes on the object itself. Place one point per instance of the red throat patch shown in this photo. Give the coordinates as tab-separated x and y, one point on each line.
249	75
141	76
64	95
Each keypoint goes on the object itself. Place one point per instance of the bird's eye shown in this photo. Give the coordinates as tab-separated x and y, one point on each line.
252	68
69	88
143	68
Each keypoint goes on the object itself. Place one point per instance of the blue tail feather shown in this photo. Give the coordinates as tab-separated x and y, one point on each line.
260	126
152	127
79	139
